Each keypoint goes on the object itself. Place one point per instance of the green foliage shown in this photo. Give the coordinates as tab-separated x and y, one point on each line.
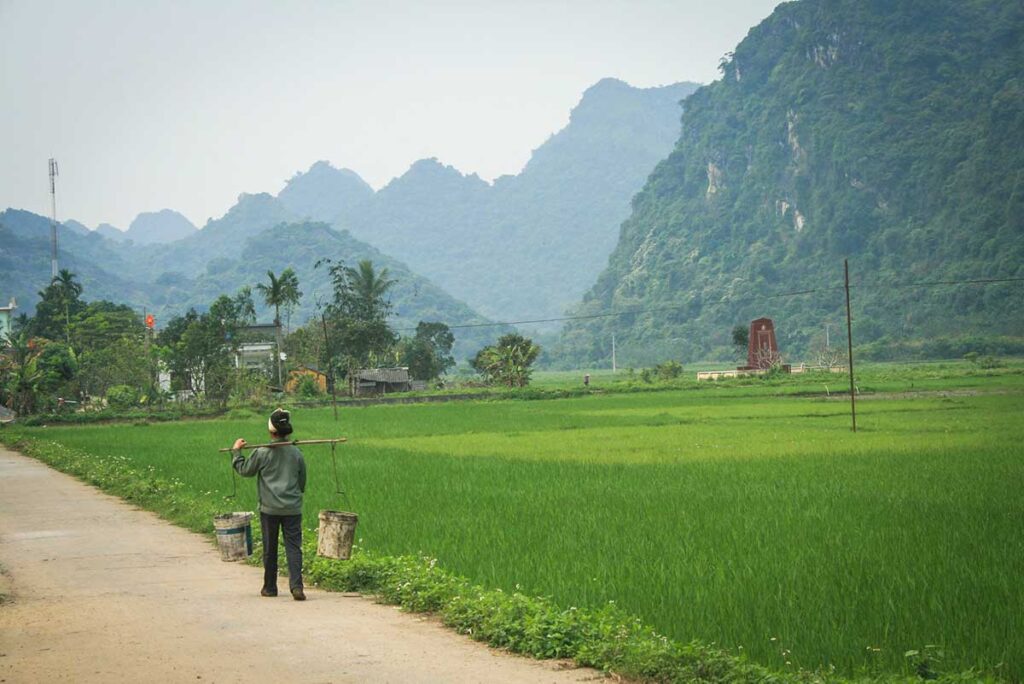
428	355
280	292
199	348
124	361
941	347
57	366
606	638
249	388
669	370
887	133
741	340
358	329
19	373
307	388
122	397
58	303
989	362
508	361
100	324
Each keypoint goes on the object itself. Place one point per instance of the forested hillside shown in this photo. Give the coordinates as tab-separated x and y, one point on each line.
25	261
299	246
232	252
888	133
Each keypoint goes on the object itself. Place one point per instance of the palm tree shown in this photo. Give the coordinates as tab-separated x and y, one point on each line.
281	291
69	290
292	294
369	288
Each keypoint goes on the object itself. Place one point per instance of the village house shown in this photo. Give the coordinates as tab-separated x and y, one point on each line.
7	318
379	381
257	347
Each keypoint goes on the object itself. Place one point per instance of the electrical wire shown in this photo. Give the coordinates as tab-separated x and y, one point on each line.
732	297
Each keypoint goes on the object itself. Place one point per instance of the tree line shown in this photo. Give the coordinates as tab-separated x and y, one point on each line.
72	352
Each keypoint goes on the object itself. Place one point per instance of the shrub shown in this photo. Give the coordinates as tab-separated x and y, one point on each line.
307	388
122	397
670	370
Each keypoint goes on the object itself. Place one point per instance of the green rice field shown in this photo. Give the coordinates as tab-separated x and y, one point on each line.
744	514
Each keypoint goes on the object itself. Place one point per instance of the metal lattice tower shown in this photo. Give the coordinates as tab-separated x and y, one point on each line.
53	224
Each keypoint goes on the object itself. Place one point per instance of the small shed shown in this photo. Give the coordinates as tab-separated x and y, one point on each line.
371	382
295	376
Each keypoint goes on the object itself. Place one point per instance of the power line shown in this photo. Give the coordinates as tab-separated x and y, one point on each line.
732	297
933	283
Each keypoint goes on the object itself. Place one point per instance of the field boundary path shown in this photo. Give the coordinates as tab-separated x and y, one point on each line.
95	590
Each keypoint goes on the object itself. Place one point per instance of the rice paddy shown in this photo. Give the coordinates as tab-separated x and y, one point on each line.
747	516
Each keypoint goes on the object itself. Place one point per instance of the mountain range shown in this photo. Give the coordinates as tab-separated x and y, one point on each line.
525	245
886	136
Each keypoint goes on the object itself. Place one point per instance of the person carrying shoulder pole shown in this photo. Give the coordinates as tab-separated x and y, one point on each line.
281	481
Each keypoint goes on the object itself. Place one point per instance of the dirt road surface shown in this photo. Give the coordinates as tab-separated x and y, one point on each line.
99	591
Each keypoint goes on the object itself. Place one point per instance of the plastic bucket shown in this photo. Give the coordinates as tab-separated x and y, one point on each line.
336	534
234	535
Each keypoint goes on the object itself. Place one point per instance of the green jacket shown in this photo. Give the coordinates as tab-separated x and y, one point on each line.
281	473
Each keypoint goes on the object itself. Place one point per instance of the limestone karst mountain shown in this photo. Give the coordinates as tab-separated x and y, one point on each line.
889	134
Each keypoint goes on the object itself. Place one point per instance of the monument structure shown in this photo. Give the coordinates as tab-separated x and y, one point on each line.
762	348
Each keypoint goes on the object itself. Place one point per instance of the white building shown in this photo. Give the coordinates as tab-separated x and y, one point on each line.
7	318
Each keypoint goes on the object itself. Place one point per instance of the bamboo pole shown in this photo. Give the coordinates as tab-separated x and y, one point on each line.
294	442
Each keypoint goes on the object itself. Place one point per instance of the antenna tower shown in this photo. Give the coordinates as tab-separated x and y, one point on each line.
53	224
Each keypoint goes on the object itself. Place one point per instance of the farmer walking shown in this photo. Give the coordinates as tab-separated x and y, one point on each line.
281	482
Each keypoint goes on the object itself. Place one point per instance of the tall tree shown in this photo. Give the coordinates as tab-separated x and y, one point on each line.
368	291
357	316
199	348
70	291
58	303
508	361
429	354
280	291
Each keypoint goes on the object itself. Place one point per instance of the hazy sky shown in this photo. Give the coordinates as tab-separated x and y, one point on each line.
186	104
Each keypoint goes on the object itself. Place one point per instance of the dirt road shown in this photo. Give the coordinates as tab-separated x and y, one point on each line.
98	591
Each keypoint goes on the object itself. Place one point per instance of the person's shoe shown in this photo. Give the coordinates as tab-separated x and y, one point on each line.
268	592
298	594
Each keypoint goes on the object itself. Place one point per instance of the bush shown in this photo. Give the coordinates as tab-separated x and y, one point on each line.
123	397
670	370
307	388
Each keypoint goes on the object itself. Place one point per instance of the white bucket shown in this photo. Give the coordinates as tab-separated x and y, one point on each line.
336	534
234	535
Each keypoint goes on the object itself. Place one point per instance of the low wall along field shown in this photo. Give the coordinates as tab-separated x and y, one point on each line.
736	515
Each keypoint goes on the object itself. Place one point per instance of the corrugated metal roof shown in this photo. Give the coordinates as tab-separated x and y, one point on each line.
390	375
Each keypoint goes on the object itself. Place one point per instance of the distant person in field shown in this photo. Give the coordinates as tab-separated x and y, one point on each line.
281	482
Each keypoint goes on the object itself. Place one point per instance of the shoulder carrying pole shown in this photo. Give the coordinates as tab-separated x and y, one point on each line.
294	442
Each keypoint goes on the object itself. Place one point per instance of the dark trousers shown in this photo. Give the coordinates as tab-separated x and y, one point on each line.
291	526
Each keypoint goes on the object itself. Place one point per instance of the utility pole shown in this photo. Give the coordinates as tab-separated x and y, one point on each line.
613	353
849	343
53	224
